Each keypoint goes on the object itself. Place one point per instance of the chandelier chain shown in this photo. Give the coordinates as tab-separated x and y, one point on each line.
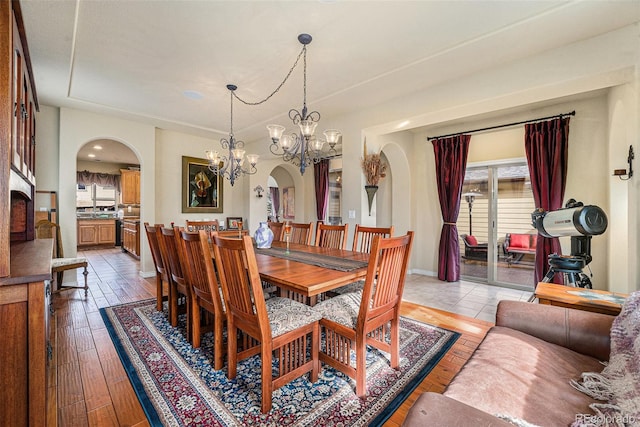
303	52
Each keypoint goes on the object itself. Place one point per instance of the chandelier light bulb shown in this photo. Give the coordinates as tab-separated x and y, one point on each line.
238	153
307	128
316	144
275	132
332	136
286	141
253	159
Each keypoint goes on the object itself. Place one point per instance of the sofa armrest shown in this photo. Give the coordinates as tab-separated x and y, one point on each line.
581	331
437	410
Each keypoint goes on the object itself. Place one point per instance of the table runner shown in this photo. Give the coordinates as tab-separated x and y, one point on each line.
320	260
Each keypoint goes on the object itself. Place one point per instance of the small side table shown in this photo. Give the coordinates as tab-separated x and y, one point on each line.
580	298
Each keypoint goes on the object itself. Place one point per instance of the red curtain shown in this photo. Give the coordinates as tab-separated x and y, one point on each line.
547	148
321	175
451	163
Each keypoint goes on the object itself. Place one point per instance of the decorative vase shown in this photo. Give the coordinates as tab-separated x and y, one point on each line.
263	236
371	192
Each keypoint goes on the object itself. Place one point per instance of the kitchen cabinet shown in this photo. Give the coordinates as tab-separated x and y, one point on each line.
25	349
96	232
131	237
18	106
25	262
130	187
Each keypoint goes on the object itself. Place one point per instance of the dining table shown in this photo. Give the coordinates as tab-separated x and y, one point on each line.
310	270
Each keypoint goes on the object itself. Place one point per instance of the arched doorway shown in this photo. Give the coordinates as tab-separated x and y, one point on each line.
107	190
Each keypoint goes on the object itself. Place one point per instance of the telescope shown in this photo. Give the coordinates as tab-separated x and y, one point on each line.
578	221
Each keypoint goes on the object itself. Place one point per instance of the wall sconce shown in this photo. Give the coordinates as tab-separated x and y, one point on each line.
623	172
259	190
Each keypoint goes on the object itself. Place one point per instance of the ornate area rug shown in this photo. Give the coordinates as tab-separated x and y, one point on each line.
177	385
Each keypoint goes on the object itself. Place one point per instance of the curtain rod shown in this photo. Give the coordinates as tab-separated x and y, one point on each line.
573	113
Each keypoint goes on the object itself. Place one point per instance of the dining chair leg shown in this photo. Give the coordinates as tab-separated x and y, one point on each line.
158	292
267	379
218	346
395	342
85	273
361	373
232	349
173	305
315	349
195	322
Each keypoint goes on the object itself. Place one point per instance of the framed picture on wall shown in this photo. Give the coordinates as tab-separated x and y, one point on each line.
288	203
201	188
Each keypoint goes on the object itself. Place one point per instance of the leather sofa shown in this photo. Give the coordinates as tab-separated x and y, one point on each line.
522	370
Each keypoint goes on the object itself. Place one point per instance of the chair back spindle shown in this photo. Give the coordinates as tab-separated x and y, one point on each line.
363	237
276	227
332	236
300	233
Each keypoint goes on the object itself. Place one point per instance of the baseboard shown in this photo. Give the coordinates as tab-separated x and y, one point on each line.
423	272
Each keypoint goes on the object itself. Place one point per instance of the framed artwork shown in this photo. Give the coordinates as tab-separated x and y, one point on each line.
201	188
234	222
288	203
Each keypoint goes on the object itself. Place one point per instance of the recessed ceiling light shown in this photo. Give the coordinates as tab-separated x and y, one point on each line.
97	147
91	155
193	94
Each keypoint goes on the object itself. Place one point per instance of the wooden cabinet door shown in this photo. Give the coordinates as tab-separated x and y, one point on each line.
87	234
107	233
130	183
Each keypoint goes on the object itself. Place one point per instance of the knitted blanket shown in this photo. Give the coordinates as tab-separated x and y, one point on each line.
618	385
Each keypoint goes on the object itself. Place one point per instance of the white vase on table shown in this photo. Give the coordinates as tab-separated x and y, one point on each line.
263	236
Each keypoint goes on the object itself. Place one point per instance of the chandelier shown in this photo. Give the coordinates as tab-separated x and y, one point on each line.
304	148
231	165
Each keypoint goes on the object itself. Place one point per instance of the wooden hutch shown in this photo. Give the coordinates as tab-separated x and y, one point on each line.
25	263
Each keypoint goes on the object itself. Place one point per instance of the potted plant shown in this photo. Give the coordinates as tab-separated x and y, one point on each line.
374	169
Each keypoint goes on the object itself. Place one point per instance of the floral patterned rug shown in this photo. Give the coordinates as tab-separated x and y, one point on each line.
177	385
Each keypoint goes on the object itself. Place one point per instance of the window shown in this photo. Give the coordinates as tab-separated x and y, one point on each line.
335	198
94	197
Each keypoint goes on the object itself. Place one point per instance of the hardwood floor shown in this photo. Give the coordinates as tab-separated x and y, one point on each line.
91	387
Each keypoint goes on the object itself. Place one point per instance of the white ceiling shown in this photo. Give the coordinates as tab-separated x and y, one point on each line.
135	59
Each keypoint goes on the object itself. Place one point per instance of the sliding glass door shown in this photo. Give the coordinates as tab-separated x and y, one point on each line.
495	211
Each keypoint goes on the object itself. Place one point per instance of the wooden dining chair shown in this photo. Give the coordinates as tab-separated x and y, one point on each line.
173	257
276	227
363	236
362	239
331	236
209	226
206	293
352	321
300	233
280	325
162	273
46	229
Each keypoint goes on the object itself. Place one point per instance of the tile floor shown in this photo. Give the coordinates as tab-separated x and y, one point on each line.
466	298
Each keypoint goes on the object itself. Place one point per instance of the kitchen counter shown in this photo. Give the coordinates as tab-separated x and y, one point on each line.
96	218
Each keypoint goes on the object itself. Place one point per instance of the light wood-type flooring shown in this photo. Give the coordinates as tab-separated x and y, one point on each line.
91	387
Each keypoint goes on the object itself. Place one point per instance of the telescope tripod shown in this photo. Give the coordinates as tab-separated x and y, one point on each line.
571	267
